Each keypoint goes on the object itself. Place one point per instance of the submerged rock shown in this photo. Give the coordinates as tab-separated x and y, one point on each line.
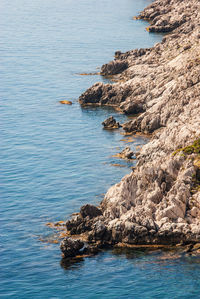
111	123
66	102
127	153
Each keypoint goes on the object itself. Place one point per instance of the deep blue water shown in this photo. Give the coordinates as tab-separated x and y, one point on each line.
55	158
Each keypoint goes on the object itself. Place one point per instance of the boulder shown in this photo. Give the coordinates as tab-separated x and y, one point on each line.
111	123
90	211
71	247
127	153
114	67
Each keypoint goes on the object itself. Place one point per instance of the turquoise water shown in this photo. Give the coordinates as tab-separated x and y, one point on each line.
55	158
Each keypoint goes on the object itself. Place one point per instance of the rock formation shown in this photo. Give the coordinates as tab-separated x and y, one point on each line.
111	123
65	102
70	247
159	202
126	153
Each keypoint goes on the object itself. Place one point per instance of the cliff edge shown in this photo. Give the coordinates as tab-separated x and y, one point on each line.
159	202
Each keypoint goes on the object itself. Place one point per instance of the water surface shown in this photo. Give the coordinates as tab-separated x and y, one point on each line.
55	158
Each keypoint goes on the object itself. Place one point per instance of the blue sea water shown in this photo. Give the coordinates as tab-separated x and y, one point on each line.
55	158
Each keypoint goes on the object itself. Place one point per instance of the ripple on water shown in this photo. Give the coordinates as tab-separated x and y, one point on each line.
54	158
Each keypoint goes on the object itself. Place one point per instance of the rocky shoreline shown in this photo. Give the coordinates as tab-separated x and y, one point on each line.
158	203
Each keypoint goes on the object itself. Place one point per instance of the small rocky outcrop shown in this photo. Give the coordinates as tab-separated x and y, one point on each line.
114	67
111	123
166	16
71	247
126	153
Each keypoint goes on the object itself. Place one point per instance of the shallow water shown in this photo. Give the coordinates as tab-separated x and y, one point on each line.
55	158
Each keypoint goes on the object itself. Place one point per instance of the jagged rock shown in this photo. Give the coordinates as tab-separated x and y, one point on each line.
99	230
111	123
114	67
127	153
166	15
131	106
90	211
78	224
71	247
104	95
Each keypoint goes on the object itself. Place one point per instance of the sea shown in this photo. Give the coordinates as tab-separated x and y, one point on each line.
55	158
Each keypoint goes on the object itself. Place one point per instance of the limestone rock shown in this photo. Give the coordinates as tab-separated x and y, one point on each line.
71	247
126	153
159	202
111	123
114	67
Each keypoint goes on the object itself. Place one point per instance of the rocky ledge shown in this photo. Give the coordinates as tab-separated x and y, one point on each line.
111	123
159	201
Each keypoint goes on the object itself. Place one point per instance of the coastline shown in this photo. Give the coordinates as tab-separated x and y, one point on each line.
159	202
